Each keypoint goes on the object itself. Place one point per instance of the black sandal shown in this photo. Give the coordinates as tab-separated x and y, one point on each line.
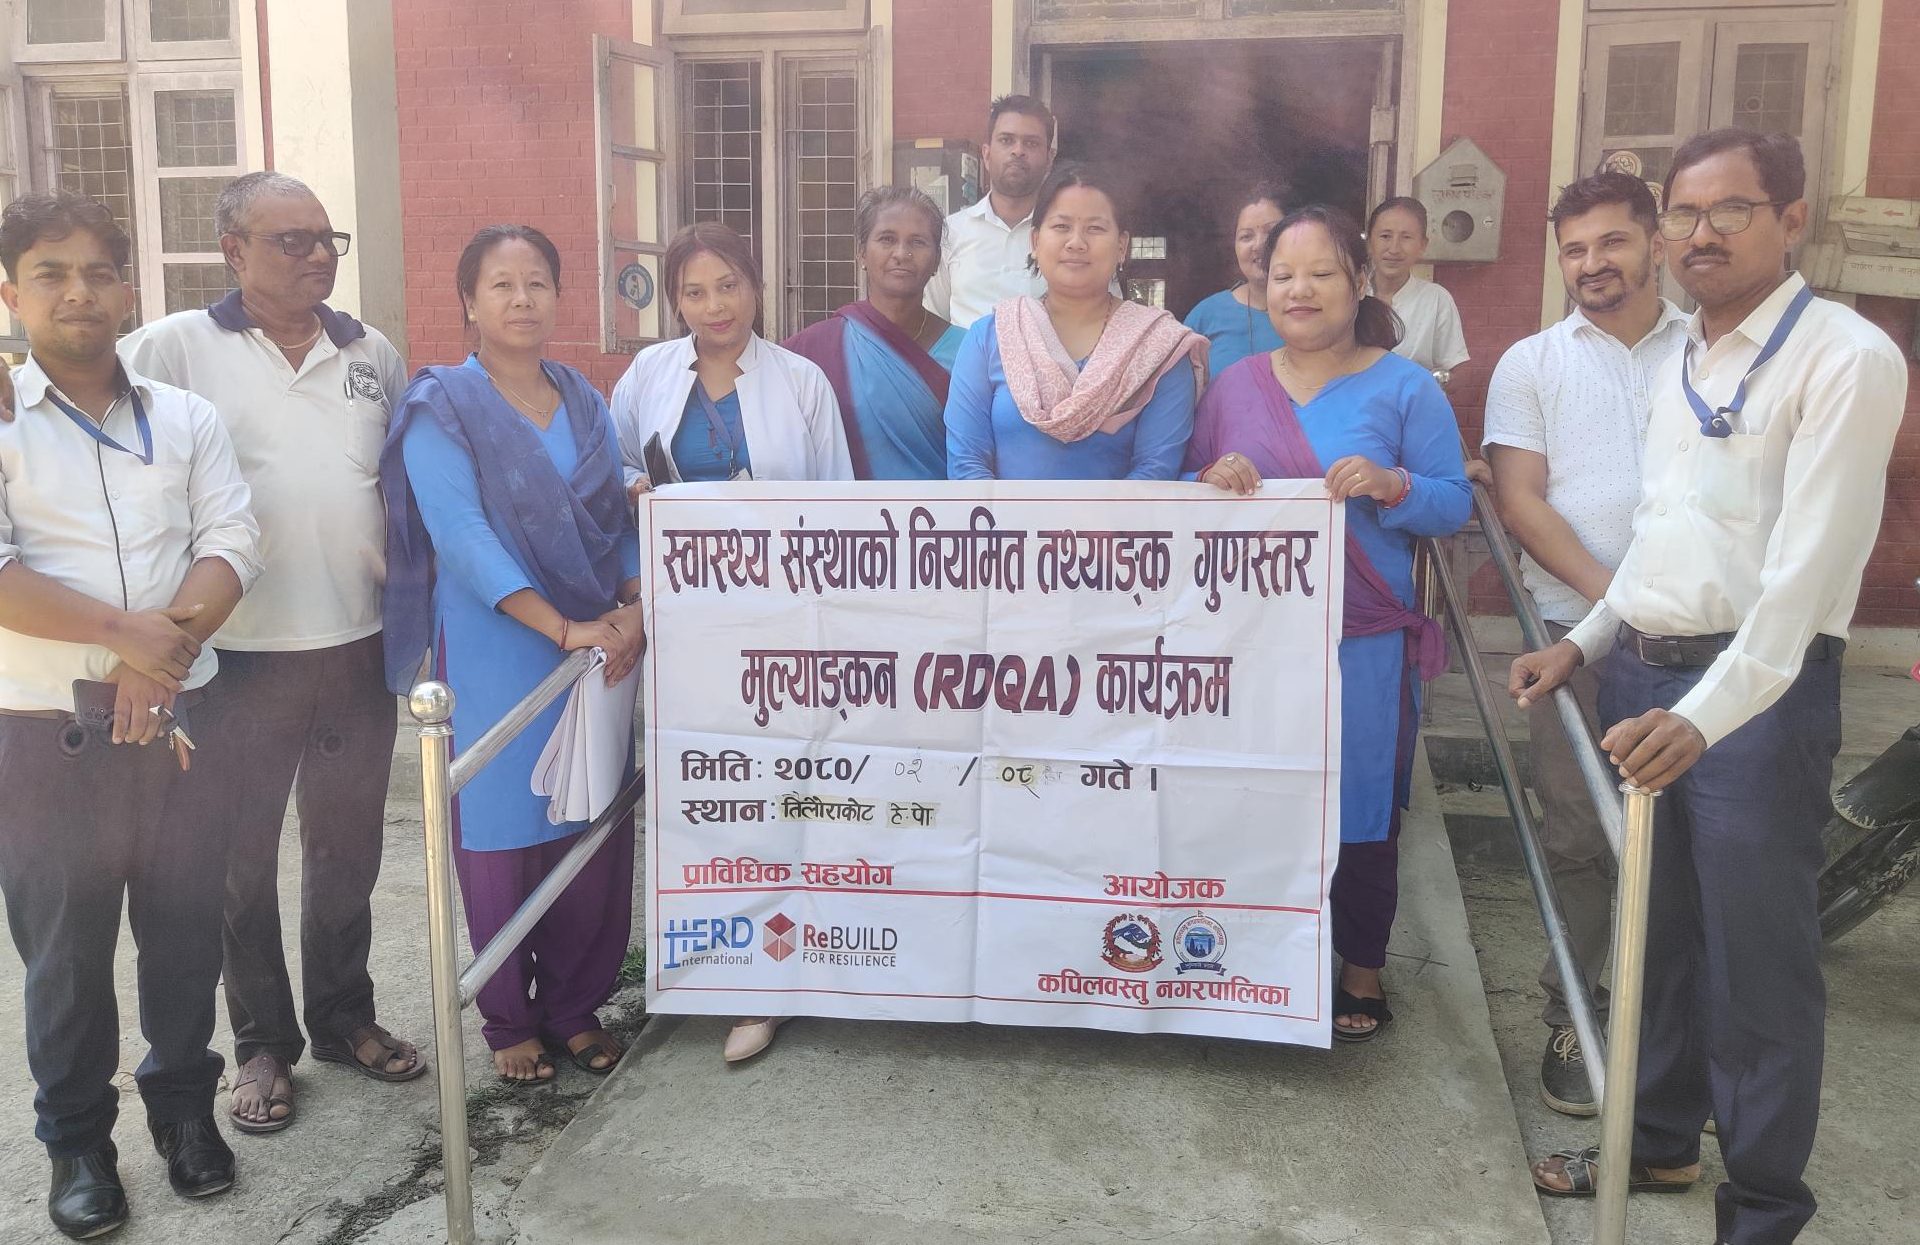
584	1057
276	1070
1582	1170
1345	1004
542	1062
347	1054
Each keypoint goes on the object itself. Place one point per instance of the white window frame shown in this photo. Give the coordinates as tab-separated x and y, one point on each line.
146	48
12	174
662	64
775	59
107	49
149	174
849	17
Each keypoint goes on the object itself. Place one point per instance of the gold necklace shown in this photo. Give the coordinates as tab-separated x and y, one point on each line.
318	328
1286	365
538	412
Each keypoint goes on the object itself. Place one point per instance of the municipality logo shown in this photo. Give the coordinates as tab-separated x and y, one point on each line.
365	382
1200	944
1131	943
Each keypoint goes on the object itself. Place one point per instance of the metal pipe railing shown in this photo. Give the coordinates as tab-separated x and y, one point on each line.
517	719
440	778
1623	1037
1594	770
1559	941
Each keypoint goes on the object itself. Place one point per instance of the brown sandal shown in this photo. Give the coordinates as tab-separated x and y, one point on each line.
265	1070
347	1054
1582	1170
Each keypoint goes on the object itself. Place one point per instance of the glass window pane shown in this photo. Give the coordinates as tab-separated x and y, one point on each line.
826	108
182	20
1770	87
1643	87
723	114
630	96
1650	164
186	213
195	128
191	287
92	155
67	21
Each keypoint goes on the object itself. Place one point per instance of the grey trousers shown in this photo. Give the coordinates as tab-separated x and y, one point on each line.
1576	848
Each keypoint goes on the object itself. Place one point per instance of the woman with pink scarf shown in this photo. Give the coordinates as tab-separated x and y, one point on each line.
1077	384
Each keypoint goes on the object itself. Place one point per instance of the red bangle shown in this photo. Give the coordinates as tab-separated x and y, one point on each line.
1406	487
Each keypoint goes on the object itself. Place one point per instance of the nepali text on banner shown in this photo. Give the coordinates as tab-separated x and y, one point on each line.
1047	753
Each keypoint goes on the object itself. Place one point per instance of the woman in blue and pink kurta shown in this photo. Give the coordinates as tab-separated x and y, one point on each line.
1335	402
886	356
509	543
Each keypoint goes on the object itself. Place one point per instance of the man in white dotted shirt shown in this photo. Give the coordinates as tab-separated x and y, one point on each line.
1566	425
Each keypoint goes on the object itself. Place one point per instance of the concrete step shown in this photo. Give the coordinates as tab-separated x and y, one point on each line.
871	1133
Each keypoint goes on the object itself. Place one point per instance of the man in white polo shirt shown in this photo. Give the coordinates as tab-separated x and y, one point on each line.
1566	426
305	392
985	247
125	539
1766	469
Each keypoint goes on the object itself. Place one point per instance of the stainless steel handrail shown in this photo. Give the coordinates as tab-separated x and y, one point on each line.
1594	770
1630	832
440	777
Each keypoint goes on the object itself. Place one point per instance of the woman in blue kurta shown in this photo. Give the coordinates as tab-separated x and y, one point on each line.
1336	402
1078	384
510	543
886	356
1235	321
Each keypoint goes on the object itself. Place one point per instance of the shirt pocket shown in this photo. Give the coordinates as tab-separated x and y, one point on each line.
152	502
366	434
1731	486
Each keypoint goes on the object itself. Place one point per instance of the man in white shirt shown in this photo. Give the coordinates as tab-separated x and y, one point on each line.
985	247
1765	473
125	540
305	392
1566	426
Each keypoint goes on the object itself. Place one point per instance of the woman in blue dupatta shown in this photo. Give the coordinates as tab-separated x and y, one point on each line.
1336	402
509	542
887	356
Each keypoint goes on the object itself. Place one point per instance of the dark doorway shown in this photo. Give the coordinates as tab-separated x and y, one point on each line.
1186	127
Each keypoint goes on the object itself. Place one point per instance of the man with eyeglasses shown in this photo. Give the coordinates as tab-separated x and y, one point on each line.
305	392
1765	472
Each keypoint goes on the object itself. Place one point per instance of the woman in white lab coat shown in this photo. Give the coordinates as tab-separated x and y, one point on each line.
725	402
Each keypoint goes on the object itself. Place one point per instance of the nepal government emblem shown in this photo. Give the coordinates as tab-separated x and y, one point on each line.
1131	943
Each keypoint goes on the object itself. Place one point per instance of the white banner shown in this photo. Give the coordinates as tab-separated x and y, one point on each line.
1051	753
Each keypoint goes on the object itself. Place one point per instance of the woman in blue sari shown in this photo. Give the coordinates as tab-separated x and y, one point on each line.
887	356
1235	320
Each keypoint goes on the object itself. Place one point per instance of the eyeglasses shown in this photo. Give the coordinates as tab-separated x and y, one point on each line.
299	243
1725	218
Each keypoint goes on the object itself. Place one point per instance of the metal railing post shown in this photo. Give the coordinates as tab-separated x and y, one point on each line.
1623	1034
432	707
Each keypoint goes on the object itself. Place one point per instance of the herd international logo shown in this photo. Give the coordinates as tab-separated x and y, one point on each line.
1131	943
697	941
1201	944
779	939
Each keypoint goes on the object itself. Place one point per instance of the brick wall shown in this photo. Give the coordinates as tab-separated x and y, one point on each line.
496	125
1893	170
942	68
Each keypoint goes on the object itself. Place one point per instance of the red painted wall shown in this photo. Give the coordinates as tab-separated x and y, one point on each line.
496	125
1893	171
942	68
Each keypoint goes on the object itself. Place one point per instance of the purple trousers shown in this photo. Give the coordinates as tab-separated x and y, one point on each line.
569	965
1364	897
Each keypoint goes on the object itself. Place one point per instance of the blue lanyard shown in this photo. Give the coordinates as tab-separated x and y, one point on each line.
99	433
1719	423
719	425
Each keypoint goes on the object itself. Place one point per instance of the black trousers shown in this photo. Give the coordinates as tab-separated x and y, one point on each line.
83	823
1735	1004
318	725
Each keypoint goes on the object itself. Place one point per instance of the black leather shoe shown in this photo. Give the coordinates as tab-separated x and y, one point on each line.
199	1161
86	1199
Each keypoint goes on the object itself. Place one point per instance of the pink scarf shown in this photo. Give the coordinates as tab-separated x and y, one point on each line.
1068	403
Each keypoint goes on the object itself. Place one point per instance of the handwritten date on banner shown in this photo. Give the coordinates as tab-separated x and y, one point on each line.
982	555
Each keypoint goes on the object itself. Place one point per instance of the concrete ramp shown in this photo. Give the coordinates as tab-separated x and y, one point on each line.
848	1132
